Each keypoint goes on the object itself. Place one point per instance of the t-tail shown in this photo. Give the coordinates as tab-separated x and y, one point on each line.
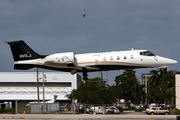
21	51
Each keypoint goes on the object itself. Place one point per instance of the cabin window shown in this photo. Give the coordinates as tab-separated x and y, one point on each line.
147	53
104	58
125	57
111	58
118	58
132	57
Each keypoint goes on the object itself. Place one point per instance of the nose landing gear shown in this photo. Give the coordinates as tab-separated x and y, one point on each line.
85	74
85	78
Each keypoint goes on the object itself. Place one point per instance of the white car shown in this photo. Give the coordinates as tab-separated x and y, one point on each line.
157	110
112	109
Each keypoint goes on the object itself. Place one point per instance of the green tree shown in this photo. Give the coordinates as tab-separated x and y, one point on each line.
94	91
130	86
162	86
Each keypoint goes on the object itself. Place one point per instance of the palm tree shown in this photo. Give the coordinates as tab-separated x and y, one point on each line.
162	84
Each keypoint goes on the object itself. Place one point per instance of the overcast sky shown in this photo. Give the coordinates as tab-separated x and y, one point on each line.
54	26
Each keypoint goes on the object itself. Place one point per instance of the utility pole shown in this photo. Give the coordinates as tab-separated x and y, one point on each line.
84	32
145	80
43	88
37	84
106	78
101	77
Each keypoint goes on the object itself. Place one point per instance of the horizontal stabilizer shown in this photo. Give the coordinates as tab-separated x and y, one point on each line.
23	66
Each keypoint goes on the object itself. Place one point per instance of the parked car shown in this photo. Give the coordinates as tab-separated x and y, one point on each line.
120	108
82	109
112	110
109	111
157	110
147	109
97	110
87	110
152	105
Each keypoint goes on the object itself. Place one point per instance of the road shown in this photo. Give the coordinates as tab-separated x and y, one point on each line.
123	116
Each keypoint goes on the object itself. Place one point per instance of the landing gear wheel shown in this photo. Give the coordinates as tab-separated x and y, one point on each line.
85	74
85	78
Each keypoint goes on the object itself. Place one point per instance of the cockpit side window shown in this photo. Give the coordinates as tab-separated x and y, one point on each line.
147	53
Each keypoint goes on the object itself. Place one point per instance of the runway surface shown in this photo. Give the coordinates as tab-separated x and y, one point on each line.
123	116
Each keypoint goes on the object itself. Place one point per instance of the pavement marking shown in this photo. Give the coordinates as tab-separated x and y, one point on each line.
11	118
149	119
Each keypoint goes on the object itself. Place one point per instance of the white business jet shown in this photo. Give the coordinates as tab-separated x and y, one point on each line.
25	58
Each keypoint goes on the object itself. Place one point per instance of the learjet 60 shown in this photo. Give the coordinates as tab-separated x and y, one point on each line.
25	58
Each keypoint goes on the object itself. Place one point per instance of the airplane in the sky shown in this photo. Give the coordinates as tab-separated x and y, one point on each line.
25	58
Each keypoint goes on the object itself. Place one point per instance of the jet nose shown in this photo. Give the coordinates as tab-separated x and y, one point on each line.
171	62
162	61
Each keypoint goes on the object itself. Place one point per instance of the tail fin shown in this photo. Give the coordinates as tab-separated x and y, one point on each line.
21	51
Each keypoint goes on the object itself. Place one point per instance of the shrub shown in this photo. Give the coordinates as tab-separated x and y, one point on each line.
1	110
177	112
9	111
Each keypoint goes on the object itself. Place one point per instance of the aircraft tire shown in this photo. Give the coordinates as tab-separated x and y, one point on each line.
85	78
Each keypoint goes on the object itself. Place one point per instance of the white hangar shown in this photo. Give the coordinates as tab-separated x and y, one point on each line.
23	86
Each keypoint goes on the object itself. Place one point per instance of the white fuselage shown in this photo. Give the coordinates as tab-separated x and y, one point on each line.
122	58
101	61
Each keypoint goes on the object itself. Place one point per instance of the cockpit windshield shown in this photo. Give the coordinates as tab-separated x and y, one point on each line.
147	53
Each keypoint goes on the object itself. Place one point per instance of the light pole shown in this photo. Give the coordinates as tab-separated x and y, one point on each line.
84	32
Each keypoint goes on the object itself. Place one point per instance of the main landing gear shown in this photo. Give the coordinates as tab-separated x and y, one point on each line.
85	74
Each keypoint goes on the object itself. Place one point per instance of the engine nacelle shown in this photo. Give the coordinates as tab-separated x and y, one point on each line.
60	58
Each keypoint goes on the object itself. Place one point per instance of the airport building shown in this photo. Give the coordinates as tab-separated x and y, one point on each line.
22	86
